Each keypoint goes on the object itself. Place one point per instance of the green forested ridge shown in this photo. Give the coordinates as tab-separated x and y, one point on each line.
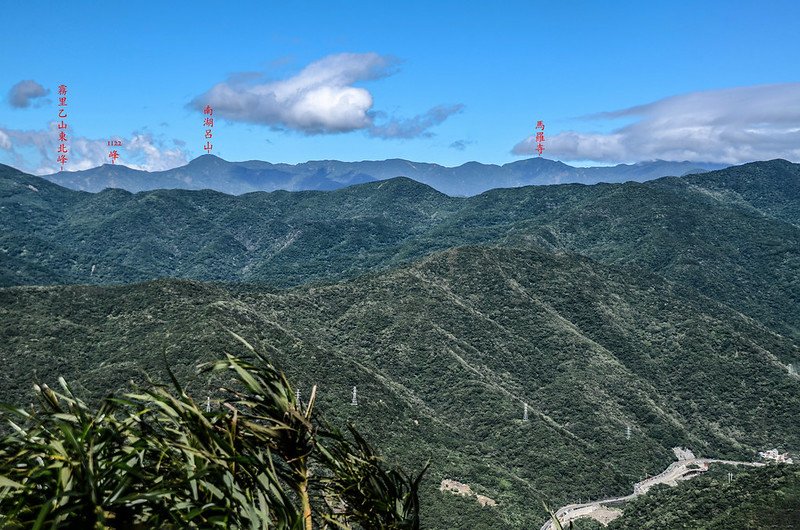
773	189
671	306
755	499
735	243
444	353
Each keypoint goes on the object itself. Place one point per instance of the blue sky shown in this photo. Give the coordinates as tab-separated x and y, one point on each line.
443	82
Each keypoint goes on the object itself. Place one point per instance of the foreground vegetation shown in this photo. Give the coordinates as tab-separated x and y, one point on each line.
157	459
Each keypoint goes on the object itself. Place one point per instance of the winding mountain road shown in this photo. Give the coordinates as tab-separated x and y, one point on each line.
680	470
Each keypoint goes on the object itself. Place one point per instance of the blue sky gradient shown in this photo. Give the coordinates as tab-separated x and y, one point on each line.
135	67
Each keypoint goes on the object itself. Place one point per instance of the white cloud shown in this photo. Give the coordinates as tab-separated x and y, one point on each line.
320	99
154	154
26	92
5	141
729	126
139	151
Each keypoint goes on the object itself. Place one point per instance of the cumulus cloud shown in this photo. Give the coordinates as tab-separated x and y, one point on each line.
153	153
728	126
34	151
321	99
25	93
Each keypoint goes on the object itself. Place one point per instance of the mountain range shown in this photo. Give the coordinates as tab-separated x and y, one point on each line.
670	307
214	173
732	234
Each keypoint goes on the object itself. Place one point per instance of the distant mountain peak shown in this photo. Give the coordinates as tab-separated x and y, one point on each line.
115	167
207	160
208	156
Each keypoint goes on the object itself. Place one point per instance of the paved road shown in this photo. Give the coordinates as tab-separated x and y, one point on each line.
676	471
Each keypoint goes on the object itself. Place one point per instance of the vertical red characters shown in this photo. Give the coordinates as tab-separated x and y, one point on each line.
208	123
114	154
539	137
61	155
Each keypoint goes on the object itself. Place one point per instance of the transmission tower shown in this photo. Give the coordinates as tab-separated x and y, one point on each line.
355	397
628	432
208	404
525	413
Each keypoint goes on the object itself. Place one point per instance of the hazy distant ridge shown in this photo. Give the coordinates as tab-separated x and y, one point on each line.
211	172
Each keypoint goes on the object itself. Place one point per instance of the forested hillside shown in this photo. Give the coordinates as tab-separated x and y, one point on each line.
744	254
444	353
